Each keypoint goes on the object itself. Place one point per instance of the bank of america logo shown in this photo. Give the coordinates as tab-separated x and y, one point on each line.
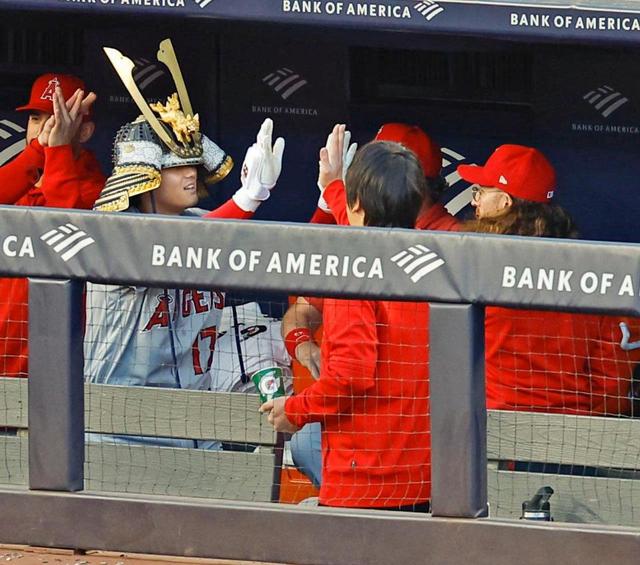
285	82
606	100
203	3
8	132
146	72
428	9
67	240
417	261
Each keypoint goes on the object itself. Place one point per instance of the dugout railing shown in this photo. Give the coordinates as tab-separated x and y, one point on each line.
458	275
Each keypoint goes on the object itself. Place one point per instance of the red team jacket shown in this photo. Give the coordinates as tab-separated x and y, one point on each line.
372	401
67	183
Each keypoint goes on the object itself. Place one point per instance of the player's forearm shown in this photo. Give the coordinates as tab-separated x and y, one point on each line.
230	211
336	198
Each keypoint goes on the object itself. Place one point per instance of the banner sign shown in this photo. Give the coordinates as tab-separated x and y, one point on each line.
142	250
441	16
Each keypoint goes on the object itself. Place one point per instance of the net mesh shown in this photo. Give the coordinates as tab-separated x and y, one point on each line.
562	403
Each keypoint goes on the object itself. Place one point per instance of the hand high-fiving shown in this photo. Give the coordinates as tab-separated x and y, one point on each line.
260	169
272	154
332	157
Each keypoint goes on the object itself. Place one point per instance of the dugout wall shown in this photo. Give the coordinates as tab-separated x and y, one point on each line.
473	75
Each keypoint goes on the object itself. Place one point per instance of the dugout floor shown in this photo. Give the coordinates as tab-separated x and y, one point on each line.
26	555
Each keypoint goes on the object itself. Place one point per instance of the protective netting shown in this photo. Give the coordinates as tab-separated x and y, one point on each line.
163	419
561	389
562	438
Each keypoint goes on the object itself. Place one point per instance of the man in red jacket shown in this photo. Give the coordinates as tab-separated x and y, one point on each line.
372	395
54	171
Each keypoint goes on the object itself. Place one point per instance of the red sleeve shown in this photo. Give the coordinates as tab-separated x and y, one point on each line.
67	182
336	198
322	217
18	176
348	364
229	210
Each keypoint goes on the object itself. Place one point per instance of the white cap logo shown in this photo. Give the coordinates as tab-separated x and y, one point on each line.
550	194
502	180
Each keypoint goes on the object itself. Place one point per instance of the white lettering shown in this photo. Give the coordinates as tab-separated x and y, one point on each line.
157	255
237	260
331	268
194	258
212	258
508	276
589	282
376	269
8	251
274	263
295	264
254	259
314	264
175	259
627	286
526	279
356	263
564	283
606	282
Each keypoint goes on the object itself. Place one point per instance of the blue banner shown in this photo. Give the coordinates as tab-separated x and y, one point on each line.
498	19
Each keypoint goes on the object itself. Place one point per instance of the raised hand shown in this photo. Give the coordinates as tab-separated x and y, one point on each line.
260	170
67	121
331	157
272	154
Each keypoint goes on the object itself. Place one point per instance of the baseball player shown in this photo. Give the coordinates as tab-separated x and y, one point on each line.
248	341
162	337
55	171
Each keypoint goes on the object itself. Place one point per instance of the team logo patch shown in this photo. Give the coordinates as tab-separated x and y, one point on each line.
50	89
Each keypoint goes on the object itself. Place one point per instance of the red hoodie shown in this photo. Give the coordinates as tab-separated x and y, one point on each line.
66	183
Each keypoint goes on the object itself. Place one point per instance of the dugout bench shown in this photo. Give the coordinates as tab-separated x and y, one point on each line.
611	445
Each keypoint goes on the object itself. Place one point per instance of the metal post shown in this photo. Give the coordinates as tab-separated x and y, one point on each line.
56	385
458	411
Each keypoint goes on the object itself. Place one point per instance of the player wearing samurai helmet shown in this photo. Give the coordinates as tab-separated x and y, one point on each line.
140	336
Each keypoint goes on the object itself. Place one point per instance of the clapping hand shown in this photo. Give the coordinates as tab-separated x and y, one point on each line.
63	125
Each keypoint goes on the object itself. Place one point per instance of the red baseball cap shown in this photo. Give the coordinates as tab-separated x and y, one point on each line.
44	86
523	172
416	140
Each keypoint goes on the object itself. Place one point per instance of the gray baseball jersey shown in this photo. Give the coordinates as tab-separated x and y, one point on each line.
247	342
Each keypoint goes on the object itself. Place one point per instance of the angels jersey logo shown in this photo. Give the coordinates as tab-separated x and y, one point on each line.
50	90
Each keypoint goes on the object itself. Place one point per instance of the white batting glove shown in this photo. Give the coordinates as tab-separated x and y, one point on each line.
348	152
260	170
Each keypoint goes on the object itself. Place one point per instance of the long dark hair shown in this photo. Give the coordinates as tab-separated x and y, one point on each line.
524	217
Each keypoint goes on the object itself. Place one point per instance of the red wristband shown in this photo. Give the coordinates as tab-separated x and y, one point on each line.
294	338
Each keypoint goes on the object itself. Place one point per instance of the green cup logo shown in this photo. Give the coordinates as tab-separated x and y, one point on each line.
269	383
